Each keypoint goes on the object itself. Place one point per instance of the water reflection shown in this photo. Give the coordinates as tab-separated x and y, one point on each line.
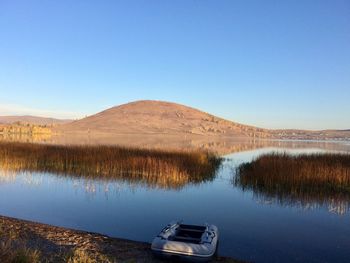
261	228
92	186
89	186
221	145
163	169
338	204
308	182
7	176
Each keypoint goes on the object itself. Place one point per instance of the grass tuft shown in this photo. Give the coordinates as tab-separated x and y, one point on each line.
10	253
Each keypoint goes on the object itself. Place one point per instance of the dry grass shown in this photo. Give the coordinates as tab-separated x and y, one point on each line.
35	242
12	250
163	168
81	256
304	178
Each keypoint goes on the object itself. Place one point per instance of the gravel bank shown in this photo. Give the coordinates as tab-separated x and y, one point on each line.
57	244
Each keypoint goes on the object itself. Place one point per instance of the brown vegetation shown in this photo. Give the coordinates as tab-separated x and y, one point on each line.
155	167
24	129
321	178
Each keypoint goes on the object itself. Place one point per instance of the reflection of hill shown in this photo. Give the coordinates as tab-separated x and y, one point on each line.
169	142
221	145
218	145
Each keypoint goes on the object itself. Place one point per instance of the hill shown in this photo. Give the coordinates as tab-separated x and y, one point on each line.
159	117
27	119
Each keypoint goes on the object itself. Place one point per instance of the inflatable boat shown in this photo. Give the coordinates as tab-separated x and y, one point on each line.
187	242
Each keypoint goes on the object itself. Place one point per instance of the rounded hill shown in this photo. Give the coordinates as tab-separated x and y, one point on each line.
158	117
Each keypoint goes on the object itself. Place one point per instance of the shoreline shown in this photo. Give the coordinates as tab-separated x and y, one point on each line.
58	244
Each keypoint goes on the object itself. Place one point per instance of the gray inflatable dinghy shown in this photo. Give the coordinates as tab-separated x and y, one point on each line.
190	242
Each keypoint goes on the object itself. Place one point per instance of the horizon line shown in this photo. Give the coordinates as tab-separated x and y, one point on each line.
16	110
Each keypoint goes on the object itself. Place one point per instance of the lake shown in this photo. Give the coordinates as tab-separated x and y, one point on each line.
252	227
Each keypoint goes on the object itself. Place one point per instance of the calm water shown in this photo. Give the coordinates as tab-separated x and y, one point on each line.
252	227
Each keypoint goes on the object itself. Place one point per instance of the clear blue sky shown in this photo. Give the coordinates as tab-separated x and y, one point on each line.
274	64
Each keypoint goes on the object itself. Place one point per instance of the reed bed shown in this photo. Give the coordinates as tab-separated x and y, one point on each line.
306	178
157	167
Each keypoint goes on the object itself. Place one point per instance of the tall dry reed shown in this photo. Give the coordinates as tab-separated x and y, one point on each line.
306	178
159	167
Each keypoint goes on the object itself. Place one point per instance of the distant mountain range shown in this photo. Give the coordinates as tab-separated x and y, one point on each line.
27	119
159	117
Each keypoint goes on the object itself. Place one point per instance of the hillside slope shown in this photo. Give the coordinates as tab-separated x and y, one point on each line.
28	119
158	117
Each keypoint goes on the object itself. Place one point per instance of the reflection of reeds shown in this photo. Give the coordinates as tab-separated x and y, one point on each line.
302	179
161	168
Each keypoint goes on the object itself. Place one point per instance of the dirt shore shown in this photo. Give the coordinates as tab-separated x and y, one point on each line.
56	244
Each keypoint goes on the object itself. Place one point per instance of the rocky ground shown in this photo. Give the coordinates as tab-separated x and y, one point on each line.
24	241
